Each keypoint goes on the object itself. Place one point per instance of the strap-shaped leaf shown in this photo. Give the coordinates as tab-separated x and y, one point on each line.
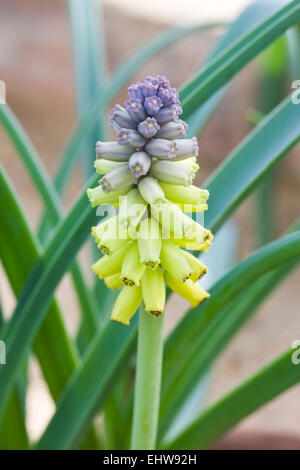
219	71
251	16
36	296
13	435
183	362
260	388
19	250
48	193
232	181
237	176
108	352
89	59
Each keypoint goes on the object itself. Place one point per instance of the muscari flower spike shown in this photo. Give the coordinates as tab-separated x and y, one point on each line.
147	175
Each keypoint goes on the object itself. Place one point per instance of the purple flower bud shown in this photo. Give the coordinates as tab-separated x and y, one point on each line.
135	91
175	96
186	148
168	96
170	172
113	151
148	89
162	149
139	164
179	109
167	114
130	136
116	179
154	80
148	128
163	81
136	110
152	104
119	118
172	130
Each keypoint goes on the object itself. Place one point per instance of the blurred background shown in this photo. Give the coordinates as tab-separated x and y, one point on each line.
36	65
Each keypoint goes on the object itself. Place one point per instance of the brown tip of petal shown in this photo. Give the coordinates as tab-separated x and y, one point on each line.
152	264
187	277
128	282
105	250
156	313
202	274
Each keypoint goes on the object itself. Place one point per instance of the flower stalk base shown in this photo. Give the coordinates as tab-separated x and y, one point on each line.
148	381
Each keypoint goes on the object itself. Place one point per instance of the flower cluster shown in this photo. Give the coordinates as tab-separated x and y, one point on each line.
147	178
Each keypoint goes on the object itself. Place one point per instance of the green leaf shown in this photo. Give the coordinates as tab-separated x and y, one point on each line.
228	186
32	162
89	68
251	16
220	327
260	388
255	156
183	361
294	49
36	296
102	364
13	435
48	193
19	250
220	70
272	79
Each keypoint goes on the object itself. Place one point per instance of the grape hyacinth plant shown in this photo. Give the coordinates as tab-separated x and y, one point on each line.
148	175
147	179
149	226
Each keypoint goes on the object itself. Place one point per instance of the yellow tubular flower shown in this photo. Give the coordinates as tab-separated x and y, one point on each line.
132	269
173	260
127	303
109	265
191	207
113	238
132	209
113	282
201	244
198	268
103	166
149	242
189	290
154	291
109	225
97	232
109	245
172	219
185	194
97	196
207	244
147	174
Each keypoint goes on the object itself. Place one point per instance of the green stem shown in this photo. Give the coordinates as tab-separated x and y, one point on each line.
148	381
